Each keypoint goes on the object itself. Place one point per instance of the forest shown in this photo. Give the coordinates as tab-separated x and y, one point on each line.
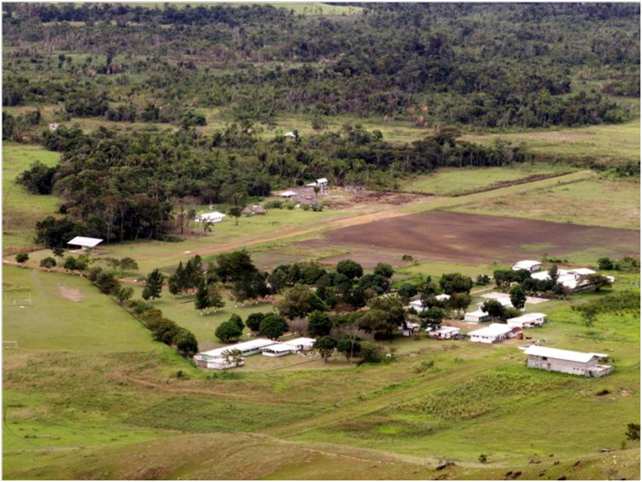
444	67
472	64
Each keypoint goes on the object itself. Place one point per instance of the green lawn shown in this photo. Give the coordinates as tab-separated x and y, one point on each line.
457	181
21	209
606	144
596	201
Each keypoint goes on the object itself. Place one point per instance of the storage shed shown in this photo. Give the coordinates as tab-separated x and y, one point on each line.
567	361
527	320
493	333
85	242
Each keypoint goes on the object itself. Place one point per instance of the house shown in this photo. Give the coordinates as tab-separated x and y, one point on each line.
211	217
220	358
288	194
301	344
529	265
445	333
84	242
527	320
476	316
417	305
277	350
493	333
576	279
567	361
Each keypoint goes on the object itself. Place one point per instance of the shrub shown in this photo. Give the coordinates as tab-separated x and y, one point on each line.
272	326
48	262
22	258
254	320
633	431
228	331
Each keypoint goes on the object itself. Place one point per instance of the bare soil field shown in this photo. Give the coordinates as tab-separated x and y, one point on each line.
472	238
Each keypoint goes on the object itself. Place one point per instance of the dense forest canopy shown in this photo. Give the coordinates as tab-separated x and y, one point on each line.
442	66
496	65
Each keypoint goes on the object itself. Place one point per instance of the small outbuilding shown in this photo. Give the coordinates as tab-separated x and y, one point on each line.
211	217
493	333
84	242
567	361
527	320
476	316
409	328
301	344
287	194
445	333
529	265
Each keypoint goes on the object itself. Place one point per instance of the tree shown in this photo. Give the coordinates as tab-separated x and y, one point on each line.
202	299
633	431
455	283
22	258
350	269
48	262
494	309
186	343
128	264
517	297
350	346
384	269
70	263
58	252
153	285
238	320
272	326
254	320
107	283
459	301
407	291
228	331
385	316
124	293
319	324
298	301
598	281
325	346
605	264
553	273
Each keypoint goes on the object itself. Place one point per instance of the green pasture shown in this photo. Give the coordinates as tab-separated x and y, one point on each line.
458	181
597	201
21	210
606	144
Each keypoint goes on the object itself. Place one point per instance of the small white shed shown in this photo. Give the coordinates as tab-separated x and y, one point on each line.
211	217
529	265
476	316
445	333
288	194
84	242
527	320
301	344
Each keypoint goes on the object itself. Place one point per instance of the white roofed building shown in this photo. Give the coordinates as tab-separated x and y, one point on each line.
84	242
573	279
301	344
277	350
529	265
527	320
287	194
211	217
476	316
493	333
219	358
567	361
445	333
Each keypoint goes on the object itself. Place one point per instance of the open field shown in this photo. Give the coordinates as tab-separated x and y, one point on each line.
21	209
477	239
107	413
606	144
599	202
453	181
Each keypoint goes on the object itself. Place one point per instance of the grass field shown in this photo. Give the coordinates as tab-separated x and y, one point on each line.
120	411
606	144
21	209
452	181
596	201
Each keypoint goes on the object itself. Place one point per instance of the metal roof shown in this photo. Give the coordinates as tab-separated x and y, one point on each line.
494	329
243	346
528	317
85	242
569	355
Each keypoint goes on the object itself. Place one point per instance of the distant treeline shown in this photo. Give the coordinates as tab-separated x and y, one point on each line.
128	186
496	65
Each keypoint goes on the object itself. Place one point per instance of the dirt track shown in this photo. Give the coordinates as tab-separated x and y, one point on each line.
472	238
